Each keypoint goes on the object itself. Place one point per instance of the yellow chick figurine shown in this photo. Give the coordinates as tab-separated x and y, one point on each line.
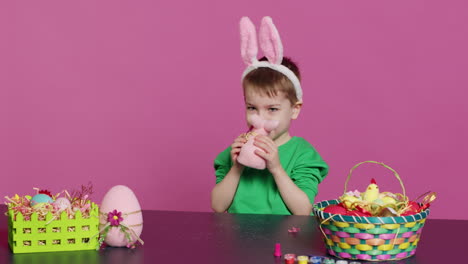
372	192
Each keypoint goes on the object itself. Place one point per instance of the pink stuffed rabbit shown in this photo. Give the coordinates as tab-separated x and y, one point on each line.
247	156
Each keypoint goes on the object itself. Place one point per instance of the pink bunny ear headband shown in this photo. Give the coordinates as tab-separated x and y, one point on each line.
270	43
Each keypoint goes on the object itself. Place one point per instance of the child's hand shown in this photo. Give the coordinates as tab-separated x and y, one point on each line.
236	147
270	154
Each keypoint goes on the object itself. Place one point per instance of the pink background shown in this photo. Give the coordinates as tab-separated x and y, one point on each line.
145	93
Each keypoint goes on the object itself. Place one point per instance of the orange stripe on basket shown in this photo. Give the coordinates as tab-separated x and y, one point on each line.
375	242
413	238
397	241
353	240
335	239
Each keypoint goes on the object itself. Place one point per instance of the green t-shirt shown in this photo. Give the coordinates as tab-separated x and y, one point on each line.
257	192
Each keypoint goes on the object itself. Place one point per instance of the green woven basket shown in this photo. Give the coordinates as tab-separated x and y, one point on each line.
64	234
369	238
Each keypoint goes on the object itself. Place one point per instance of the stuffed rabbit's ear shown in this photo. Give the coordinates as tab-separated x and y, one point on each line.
255	120
270	41
249	46
270	125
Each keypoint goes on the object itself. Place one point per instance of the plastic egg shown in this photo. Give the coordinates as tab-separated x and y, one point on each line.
388	200
62	203
335	209
41	198
412	208
358	213
348	201
123	200
378	201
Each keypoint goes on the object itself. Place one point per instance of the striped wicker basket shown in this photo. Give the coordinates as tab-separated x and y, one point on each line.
369	238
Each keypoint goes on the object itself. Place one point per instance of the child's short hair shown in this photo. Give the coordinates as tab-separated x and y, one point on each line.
270	82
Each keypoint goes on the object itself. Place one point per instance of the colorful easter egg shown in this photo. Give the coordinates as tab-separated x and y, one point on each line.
62	203
387	200
358	213
335	209
413	208
348	201
120	207
41	198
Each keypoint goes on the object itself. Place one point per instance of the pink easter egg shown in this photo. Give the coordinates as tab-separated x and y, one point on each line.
123	200
62	203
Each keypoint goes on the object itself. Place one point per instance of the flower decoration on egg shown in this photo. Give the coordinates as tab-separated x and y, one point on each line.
114	218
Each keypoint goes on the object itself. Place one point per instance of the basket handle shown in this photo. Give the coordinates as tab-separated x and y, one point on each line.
376	162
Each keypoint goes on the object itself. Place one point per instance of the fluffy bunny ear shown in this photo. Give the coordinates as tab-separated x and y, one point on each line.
270	125
270	41
256	121
249	46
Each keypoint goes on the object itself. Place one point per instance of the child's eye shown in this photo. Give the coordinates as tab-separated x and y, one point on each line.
250	108
273	109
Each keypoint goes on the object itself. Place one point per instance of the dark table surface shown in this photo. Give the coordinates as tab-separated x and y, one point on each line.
197	237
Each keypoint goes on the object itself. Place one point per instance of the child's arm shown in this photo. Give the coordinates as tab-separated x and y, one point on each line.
295	199
223	193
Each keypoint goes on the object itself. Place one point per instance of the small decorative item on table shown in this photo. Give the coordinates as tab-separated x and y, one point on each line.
46	223
373	225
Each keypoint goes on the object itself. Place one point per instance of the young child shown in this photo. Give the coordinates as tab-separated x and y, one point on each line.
294	169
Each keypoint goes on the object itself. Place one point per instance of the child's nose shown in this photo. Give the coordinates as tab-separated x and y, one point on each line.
263	114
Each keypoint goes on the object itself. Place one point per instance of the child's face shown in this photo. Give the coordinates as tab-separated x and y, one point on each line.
272	108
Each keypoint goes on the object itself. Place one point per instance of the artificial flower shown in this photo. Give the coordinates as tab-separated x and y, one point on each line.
114	218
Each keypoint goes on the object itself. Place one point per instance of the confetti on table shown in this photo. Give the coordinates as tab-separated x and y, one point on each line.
294	230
